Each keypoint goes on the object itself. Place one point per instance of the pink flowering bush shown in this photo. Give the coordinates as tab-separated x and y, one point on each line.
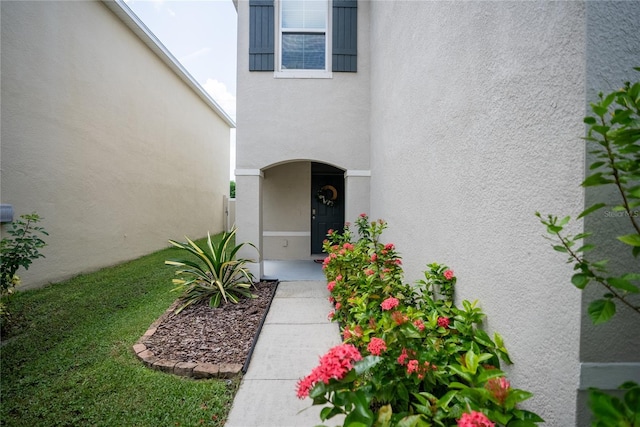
422	361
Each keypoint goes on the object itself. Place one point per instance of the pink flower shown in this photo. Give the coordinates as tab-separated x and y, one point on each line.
403	357
336	363
348	246
389	304
398	317
499	388
326	261
338	277
475	419
331	285
418	323
338	305
332	300
443	322
448	274
330	231
346	334
369	272
363	215
397	261
389	246
412	366
376	346
374	257
331	314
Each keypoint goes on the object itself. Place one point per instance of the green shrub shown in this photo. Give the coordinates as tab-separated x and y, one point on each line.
19	251
215	275
410	357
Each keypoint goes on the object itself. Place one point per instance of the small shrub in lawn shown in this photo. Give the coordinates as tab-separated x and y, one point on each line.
213	274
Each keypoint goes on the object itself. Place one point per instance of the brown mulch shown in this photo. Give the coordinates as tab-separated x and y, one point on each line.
203	334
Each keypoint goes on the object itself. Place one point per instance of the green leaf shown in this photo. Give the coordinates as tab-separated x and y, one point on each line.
384	416
366	363
580	280
590	120
623	284
410	421
596	179
591	209
471	361
601	311
516	396
631	239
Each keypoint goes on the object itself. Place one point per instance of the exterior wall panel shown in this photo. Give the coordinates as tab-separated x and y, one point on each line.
102	139
476	125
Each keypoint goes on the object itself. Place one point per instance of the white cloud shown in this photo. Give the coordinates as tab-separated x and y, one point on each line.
222	96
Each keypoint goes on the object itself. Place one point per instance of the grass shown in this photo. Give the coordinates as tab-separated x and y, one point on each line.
67	358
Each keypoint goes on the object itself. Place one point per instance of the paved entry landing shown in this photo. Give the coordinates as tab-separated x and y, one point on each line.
295	334
293	270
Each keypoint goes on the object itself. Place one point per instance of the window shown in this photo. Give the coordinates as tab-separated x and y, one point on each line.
313	36
303	34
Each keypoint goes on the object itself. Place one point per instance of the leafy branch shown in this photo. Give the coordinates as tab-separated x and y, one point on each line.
614	130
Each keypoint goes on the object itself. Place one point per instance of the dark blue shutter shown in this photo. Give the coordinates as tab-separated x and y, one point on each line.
261	35
345	35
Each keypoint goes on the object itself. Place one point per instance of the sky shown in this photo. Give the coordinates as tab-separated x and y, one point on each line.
201	35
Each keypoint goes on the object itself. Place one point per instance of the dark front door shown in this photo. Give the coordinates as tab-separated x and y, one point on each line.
327	206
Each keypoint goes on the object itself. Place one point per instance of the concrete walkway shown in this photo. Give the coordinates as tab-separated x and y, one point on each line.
295	334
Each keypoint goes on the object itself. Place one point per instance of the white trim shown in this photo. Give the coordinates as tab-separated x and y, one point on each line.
303	74
326	73
131	20
356	172
286	233
607	376
248	172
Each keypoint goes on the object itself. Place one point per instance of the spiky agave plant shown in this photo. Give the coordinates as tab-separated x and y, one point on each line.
215	275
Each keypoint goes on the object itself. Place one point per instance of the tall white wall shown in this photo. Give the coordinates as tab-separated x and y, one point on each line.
476	122
102	139
296	120
283	119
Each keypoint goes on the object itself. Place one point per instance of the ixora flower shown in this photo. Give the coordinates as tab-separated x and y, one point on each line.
376	346
475	419
443	322
336	363
331	285
448	274
390	303
499	388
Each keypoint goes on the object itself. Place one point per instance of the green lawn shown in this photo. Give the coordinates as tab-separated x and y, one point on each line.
67	359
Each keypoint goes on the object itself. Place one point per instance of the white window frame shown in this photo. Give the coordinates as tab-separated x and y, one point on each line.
303	74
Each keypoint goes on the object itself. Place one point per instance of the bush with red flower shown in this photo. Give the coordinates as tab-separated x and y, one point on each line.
422	361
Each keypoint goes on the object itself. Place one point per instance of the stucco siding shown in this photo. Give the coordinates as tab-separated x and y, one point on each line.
102	139
325	120
476	125
287	211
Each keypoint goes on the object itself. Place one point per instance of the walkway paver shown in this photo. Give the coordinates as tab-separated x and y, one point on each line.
295	334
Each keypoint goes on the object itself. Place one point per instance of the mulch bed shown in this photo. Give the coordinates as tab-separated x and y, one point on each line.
202	334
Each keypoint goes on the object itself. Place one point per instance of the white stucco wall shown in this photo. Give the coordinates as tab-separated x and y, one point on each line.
476	122
102	139
283	119
296	120
287	211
